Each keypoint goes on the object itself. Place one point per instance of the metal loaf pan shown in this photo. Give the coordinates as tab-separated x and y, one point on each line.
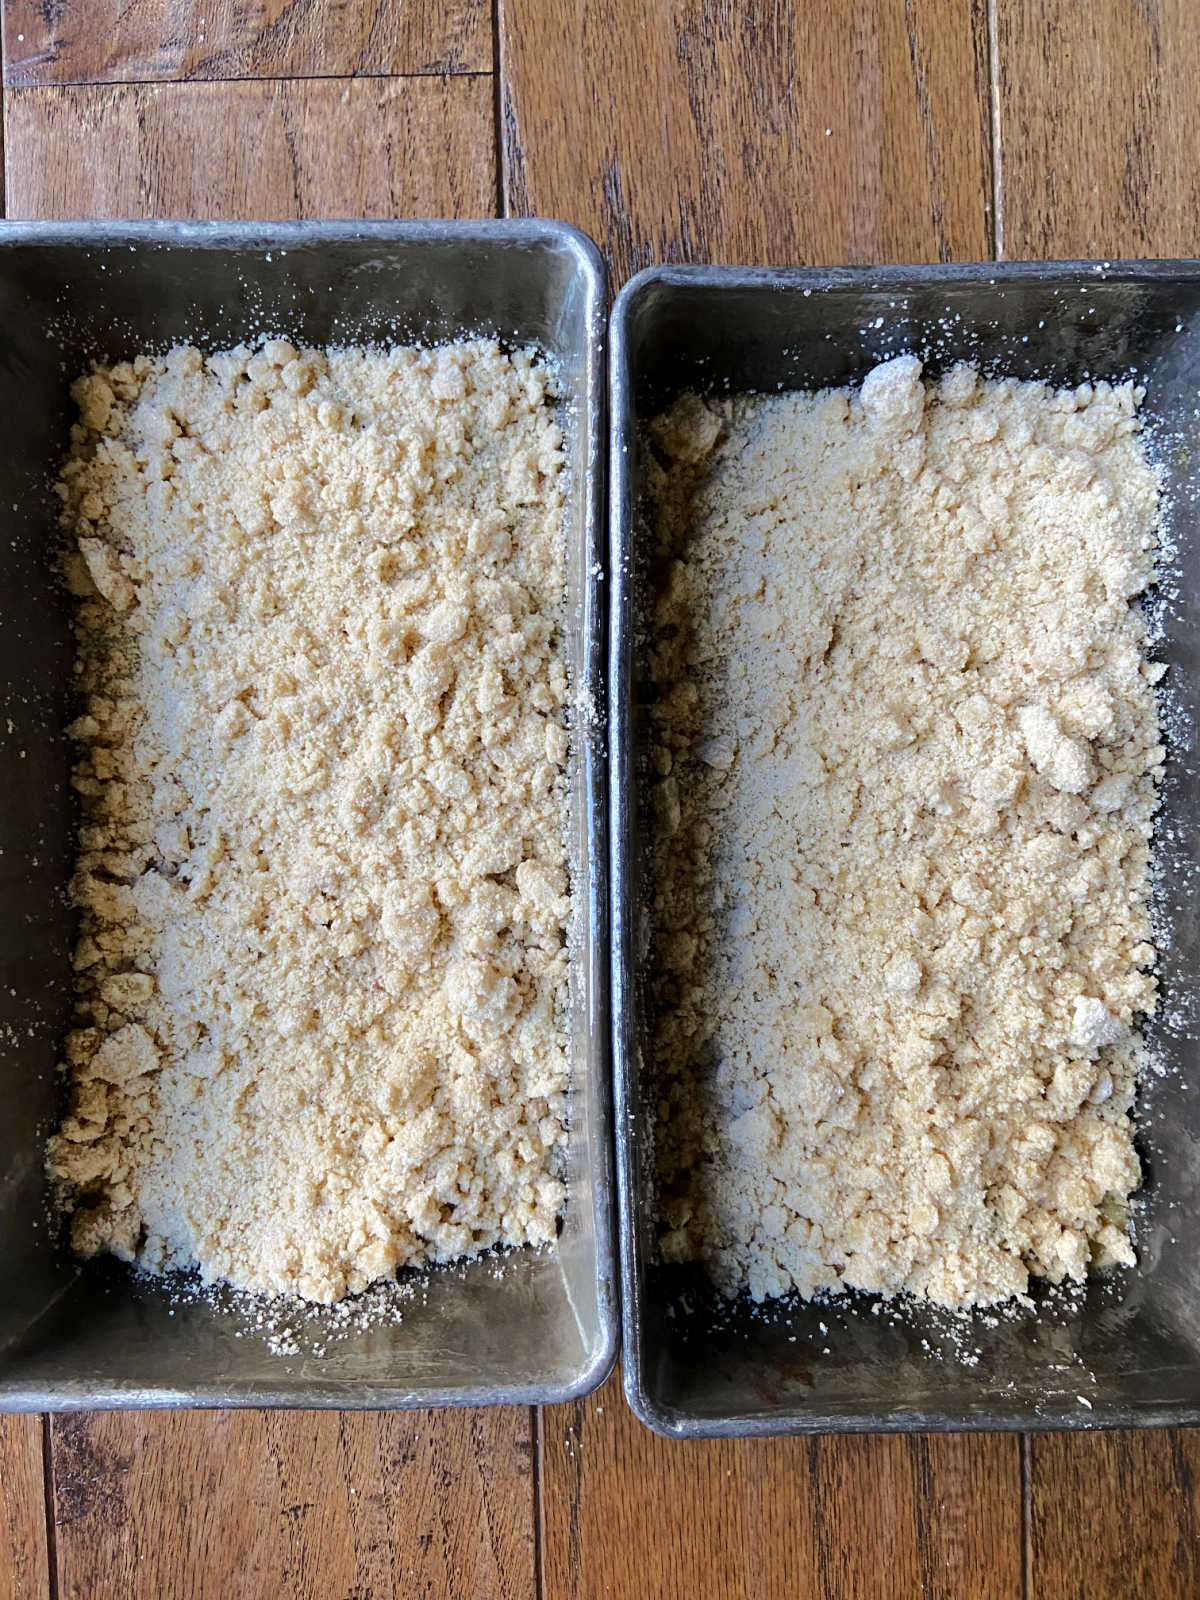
544	1327
1127	1350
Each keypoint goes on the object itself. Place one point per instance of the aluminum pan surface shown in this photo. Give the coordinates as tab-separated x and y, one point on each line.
544	1327
692	1366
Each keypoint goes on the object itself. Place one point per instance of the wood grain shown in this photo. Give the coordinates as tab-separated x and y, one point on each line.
320	148
24	1569
1099	127
1115	1515
112	41
762	132
1098	143
626	1514
311	1505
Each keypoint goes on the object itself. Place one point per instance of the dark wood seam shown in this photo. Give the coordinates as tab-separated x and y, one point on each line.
304	77
1027	1516
48	1496
497	110
535	1424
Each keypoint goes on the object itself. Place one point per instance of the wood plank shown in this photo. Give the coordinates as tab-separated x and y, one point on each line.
626	1514
1099	150
319	148
764	133
303	1504
115	41
24	1568
1114	1515
1099	127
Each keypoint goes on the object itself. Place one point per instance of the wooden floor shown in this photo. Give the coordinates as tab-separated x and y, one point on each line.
727	130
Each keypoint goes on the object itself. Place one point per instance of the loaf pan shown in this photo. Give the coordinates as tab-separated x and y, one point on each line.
533	1326
1125	1351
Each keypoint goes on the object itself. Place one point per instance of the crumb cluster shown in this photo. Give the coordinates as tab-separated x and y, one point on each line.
322	878
905	748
